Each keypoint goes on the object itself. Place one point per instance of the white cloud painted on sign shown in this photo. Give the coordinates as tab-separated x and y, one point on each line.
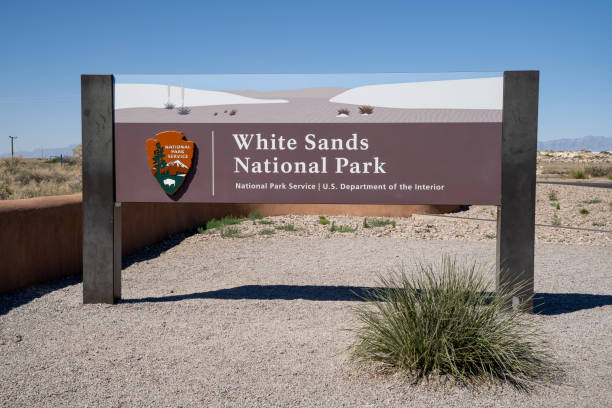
155	96
480	93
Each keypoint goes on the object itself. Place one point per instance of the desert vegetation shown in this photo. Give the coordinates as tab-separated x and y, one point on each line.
442	320
343	112
28	178
366	110
575	164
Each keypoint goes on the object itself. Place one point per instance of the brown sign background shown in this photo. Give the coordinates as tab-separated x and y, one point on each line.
465	158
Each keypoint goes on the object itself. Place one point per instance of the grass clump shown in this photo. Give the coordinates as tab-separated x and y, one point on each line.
558	206
594	201
584	211
444	321
255	216
266	222
267	232
223	222
323	220
287	227
201	230
490	236
169	105
230	232
599	224
233	112
556	221
346	228
552	196
365	223
381	223
344	111
183	110
578	174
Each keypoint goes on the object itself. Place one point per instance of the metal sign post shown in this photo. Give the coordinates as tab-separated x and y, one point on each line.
101	216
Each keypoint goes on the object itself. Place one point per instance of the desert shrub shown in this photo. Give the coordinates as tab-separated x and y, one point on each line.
223	222
169	105
598	171
558	206
366	110
287	227
556	221
230	232
344	111
584	211
5	191
552	196
380	222
323	220
183	110
444	321
578	174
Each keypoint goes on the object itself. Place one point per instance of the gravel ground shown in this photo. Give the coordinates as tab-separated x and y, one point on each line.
261	322
476	224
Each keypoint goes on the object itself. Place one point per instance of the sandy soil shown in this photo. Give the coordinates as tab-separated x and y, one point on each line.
241	322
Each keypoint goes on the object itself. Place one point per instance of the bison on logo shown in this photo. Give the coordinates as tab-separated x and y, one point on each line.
170	157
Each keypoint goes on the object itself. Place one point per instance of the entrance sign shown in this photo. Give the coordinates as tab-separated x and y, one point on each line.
467	138
370	139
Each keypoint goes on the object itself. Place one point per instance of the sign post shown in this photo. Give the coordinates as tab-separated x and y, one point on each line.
516	215
101	215
304	145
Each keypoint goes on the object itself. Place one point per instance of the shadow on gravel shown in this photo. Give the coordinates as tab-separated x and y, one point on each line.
550	304
154	250
269	292
9	301
546	303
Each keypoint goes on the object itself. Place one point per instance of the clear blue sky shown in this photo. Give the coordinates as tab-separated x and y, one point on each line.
46	45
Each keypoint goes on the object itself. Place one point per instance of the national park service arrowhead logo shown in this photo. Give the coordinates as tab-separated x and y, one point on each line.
170	157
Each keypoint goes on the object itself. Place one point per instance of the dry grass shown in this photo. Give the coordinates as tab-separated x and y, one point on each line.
28	178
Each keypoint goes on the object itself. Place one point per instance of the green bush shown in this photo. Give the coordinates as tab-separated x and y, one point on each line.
584	211
323	220
578	174
444	321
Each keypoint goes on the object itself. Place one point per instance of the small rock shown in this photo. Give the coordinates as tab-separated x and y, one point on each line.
17	338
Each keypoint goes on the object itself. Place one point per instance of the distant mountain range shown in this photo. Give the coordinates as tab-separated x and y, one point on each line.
592	143
42	153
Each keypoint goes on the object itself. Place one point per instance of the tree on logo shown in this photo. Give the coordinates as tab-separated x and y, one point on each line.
159	158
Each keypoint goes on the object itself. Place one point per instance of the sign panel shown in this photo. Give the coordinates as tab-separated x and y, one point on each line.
356	138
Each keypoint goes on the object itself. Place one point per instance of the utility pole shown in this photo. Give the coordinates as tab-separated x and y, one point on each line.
12	151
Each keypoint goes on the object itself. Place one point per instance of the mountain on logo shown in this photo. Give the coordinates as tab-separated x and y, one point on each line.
177	163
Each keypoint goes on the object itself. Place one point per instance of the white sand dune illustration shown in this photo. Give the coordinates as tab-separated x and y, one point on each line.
480	93
155	96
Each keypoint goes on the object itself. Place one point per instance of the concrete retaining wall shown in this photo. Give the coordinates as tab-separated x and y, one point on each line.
41	238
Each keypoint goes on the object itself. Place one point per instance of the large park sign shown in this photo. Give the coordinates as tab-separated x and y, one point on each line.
355	138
